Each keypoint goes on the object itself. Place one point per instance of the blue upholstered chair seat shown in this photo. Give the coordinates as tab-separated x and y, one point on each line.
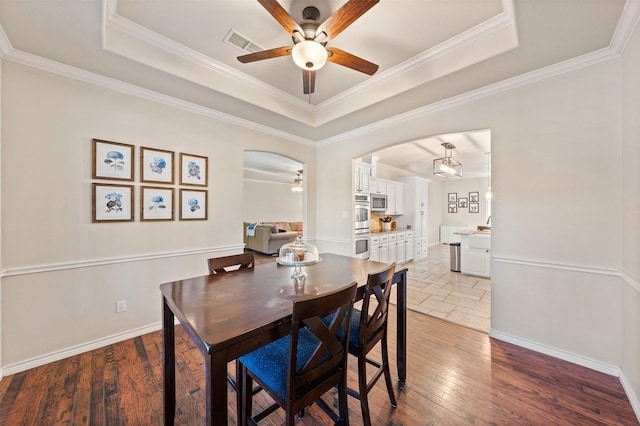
354	336
270	362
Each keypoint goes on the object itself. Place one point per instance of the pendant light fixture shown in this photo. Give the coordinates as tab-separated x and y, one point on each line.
447	167
298	187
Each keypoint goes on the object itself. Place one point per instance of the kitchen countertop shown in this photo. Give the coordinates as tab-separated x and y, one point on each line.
390	232
473	232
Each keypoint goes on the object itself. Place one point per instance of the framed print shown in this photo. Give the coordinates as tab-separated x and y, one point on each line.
462	203
193	170
474	207
112	160
156	165
453	197
193	204
156	203
474	197
112	203
453	208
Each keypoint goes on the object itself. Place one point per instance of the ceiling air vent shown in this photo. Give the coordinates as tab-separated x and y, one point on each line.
239	41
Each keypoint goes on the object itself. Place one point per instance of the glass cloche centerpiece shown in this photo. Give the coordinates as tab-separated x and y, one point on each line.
298	254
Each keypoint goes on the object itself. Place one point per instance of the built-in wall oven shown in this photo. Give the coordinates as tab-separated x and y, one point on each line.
362	214
362	246
362	222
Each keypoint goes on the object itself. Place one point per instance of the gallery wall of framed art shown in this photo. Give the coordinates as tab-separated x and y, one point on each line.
114	201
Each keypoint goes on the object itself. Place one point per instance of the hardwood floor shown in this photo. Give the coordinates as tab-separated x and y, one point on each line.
456	376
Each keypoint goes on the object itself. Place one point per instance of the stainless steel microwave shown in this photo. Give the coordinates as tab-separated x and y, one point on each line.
378	202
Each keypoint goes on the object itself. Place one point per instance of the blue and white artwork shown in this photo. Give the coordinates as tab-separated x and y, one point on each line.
193	204
157	203
157	165
193	170
112	203
112	160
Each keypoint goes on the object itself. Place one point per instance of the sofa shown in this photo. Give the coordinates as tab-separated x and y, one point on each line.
270	236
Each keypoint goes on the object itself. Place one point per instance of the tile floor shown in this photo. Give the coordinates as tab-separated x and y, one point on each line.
436	291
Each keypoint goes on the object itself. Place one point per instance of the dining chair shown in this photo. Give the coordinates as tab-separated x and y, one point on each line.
221	265
367	330
298	369
226	264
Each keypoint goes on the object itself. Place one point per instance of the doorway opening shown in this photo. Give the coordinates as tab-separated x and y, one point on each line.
454	206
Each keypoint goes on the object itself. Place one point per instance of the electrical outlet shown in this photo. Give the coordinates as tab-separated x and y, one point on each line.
121	305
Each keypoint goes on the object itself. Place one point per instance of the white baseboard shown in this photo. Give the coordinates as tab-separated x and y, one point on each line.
602	367
631	395
76	350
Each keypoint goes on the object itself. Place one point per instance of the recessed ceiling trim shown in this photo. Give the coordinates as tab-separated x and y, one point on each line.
626	25
492	89
490	38
138	43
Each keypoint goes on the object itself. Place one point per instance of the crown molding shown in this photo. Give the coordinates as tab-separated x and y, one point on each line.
9	53
138	43
482	37
626	25
492	89
129	39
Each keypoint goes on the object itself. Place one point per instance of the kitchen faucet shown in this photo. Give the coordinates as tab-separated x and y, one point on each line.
489	220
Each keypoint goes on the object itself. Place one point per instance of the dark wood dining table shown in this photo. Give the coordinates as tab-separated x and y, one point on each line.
229	315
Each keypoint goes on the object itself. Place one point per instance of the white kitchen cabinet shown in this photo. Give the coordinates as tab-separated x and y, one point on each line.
415	200
393	248
408	246
374	248
475	255
379	248
377	186
384	253
362	177
401	248
395	198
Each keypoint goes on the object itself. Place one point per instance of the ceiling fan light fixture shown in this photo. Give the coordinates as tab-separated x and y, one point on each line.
309	55
447	167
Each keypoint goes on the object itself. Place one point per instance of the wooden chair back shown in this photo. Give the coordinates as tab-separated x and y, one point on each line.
376	303
326	366
313	356
222	265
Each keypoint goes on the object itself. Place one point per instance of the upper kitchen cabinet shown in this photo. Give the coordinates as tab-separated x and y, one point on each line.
394	192
363	177
378	186
395	198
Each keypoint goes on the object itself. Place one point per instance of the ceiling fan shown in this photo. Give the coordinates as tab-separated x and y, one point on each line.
310	38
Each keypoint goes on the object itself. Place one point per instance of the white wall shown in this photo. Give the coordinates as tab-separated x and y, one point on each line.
630	220
559	210
270	202
462	187
62	274
555	210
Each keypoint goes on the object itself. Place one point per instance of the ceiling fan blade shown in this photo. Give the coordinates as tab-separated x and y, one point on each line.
281	15
348	60
345	16
265	54
308	81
